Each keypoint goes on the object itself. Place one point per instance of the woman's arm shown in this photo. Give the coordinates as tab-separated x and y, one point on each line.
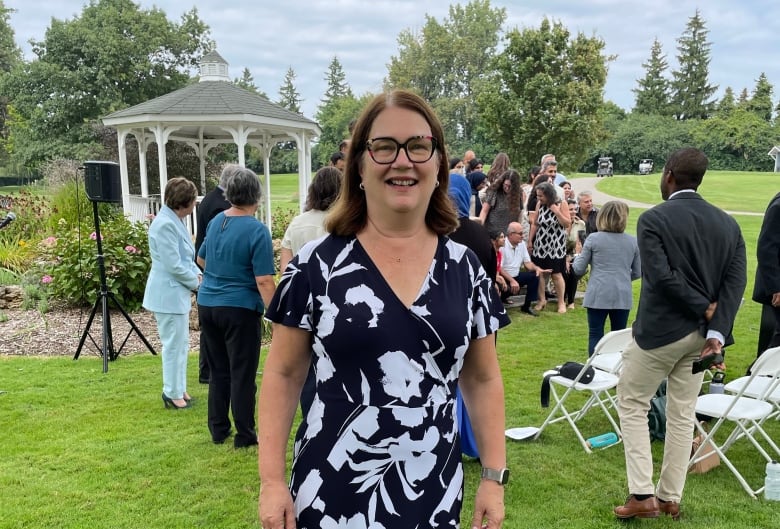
532	216
562	214
484	213
266	286
482	387
285	256
284	373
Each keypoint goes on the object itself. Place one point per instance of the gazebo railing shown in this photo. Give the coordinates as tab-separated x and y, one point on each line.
141	207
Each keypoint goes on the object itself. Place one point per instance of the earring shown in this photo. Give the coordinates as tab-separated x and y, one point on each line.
361	186
437	183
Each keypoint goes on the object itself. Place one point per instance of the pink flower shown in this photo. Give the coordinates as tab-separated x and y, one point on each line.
93	236
47	279
51	241
131	249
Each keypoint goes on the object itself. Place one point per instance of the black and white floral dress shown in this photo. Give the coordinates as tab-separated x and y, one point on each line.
379	447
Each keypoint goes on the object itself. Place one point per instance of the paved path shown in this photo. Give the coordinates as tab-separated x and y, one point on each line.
599	198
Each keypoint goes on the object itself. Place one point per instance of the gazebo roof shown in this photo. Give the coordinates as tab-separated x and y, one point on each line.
210	102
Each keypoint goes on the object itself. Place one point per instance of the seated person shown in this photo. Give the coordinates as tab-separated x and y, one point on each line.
515	257
498	239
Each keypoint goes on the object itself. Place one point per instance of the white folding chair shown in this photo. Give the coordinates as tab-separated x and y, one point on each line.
747	413
609	350
754	389
598	391
608	355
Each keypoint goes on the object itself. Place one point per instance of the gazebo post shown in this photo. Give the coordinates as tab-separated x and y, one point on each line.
121	137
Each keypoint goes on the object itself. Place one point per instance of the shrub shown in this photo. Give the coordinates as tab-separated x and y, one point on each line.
280	219
17	240
72	263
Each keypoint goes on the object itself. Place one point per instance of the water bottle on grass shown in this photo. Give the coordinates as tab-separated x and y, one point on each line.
603	440
772	481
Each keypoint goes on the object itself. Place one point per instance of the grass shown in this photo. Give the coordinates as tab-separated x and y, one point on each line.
83	449
731	190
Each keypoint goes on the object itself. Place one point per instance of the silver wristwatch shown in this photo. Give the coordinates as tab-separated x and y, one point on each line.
501	475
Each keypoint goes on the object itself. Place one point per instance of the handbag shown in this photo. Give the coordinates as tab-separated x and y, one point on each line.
570	370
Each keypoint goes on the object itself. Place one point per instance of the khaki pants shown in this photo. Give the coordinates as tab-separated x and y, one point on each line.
641	374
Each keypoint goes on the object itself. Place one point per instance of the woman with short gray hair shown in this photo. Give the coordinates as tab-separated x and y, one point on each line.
238	283
613	256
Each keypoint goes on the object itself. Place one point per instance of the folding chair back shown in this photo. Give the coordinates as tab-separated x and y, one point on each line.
747	413
609	350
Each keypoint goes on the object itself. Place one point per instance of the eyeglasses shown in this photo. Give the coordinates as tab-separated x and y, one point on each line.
418	149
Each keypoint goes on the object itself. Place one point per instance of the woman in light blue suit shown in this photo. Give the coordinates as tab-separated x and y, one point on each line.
174	276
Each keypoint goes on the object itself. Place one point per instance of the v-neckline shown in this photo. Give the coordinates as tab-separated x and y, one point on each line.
386	284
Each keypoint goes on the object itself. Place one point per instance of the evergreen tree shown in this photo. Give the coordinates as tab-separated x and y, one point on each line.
727	104
743	100
247	81
336	81
652	95
289	97
691	91
761	101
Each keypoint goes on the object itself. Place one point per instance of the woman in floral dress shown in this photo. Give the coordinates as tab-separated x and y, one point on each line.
393	315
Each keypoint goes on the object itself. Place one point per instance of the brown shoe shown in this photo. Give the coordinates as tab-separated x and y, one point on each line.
634	508
670	508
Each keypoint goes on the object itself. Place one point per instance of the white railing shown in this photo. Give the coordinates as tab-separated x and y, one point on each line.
141	207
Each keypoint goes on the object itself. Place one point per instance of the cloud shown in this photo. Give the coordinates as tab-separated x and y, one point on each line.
270	37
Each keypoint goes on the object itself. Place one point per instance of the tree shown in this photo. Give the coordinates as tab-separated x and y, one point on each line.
247	82
336	80
444	62
10	53
737	142
760	102
112	56
10	56
652	95
727	103
544	93
691	91
289	97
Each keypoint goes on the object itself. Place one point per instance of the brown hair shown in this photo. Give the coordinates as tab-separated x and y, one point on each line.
179	193
324	189
349	213
499	166
612	217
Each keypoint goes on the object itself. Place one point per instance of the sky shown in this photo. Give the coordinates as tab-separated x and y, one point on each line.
268	37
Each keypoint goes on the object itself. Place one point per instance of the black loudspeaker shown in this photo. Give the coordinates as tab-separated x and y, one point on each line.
102	181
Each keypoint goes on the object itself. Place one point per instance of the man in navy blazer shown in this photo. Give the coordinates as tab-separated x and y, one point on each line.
766	289
212	203
693	277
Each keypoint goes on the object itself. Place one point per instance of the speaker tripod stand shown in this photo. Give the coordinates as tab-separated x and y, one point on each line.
107	350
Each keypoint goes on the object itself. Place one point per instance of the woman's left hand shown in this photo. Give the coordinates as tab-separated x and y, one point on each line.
488	505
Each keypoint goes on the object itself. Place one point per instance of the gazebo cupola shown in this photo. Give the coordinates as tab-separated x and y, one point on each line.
213	68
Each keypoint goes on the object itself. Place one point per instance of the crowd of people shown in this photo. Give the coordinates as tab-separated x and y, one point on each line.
382	224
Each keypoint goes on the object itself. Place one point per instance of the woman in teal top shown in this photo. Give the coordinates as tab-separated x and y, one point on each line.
238	283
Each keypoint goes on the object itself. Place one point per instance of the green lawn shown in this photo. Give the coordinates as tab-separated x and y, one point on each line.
733	191
83	449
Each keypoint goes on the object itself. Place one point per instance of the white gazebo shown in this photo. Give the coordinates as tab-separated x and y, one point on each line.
203	115
774	152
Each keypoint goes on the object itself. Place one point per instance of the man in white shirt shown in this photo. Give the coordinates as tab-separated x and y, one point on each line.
515	257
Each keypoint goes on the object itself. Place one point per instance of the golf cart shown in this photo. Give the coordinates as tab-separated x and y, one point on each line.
645	166
604	167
